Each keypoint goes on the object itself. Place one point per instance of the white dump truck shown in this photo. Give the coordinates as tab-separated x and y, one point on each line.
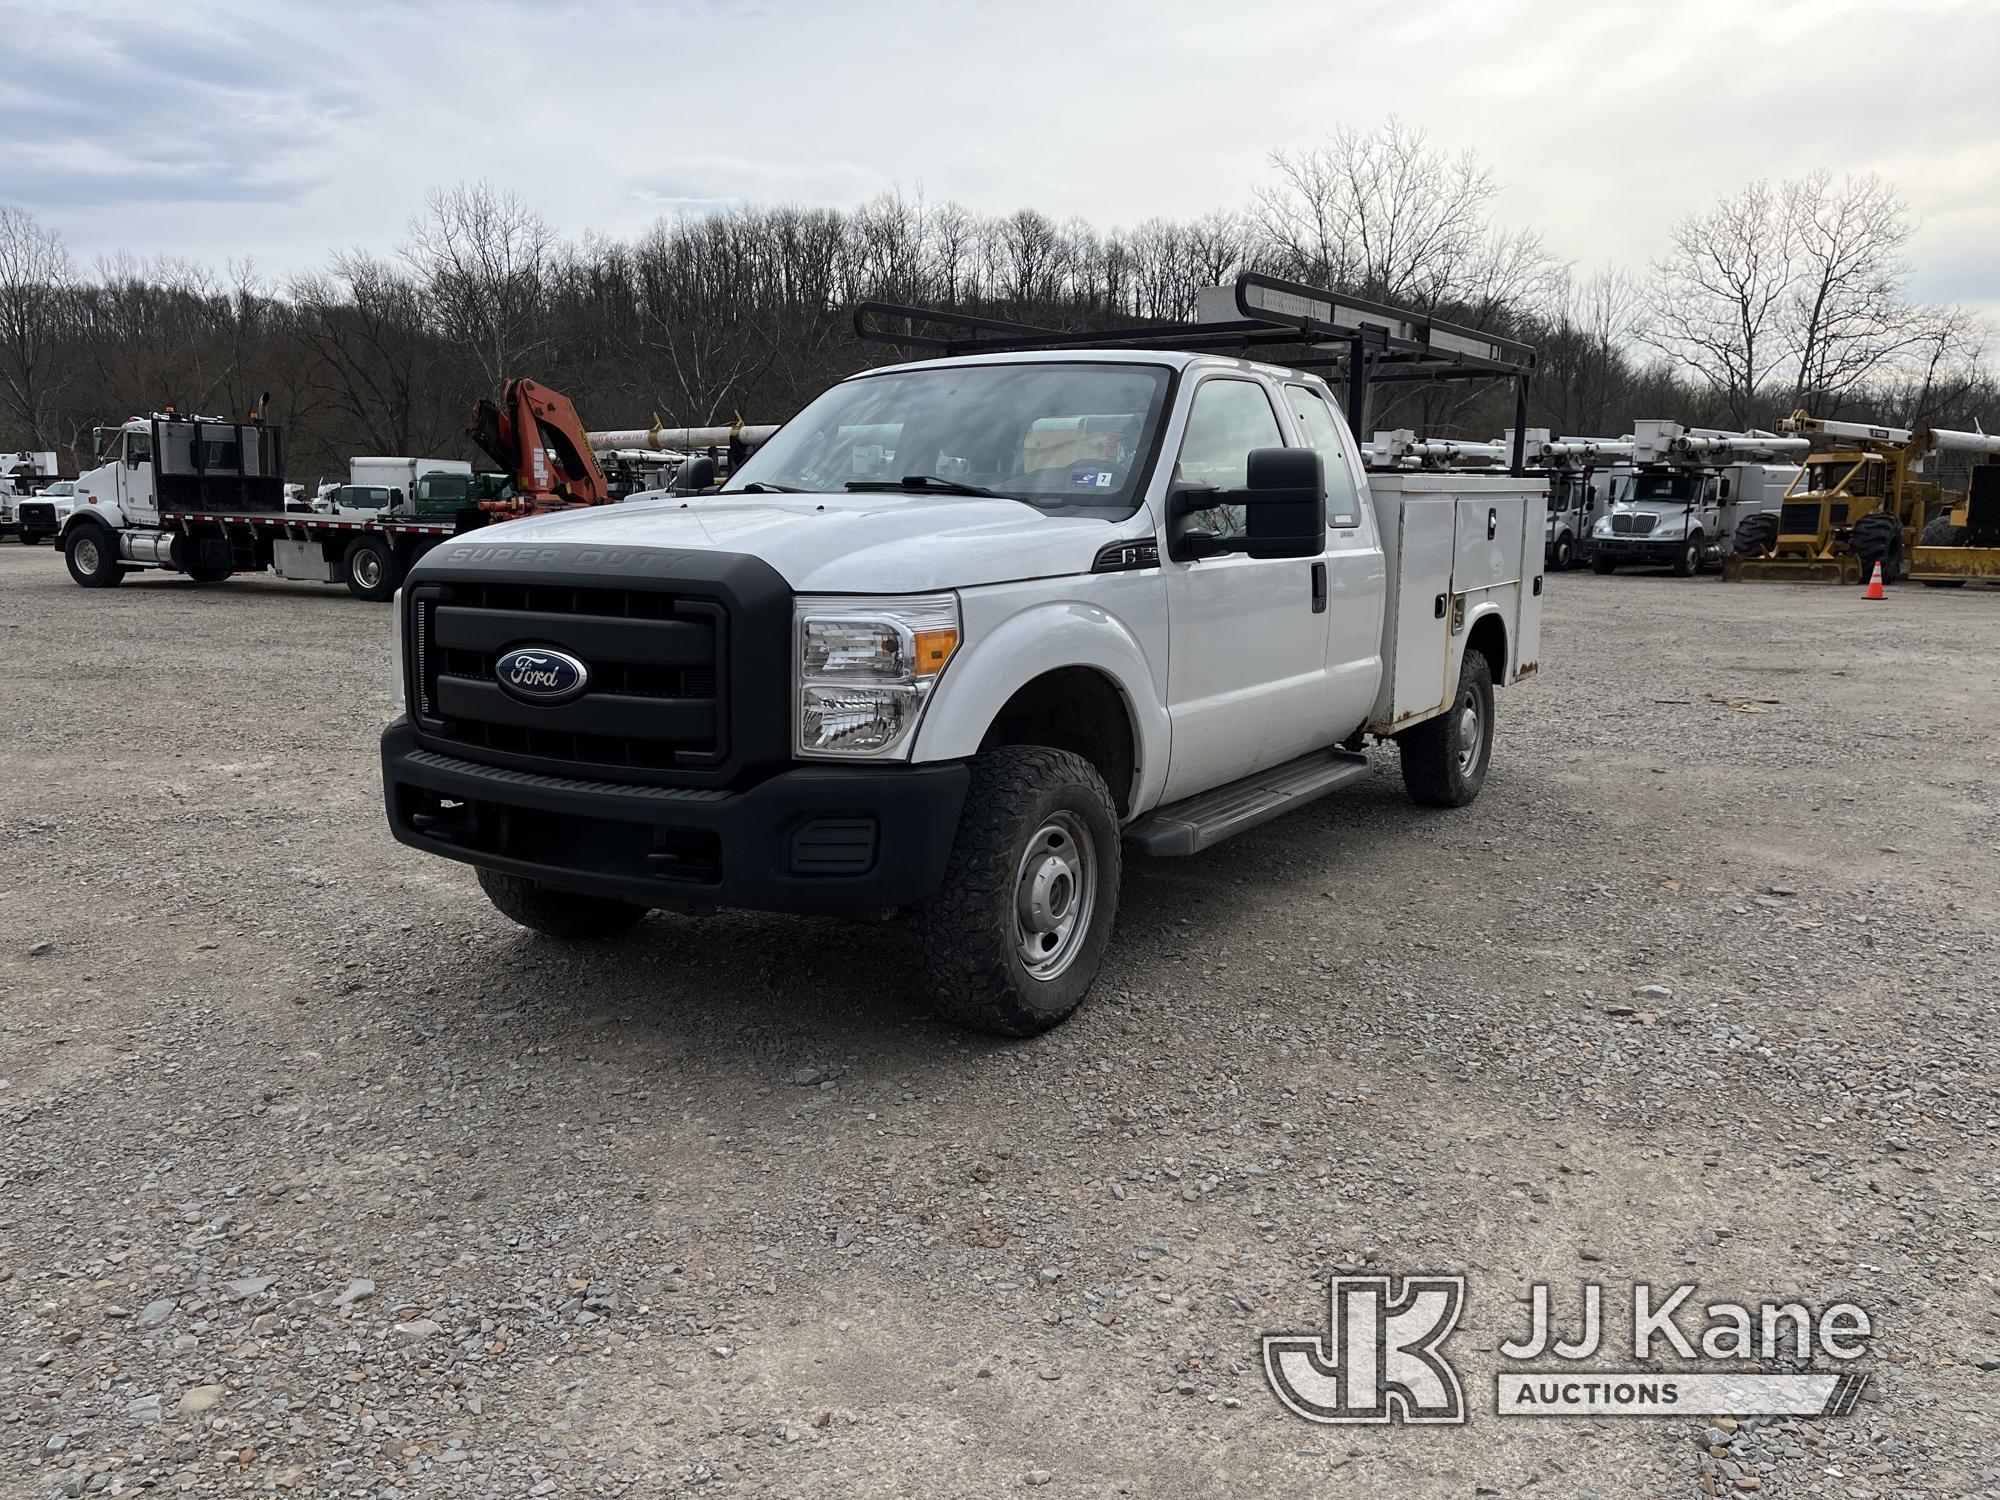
965	630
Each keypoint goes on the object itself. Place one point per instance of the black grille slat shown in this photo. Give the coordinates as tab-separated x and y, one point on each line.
1799	519
595	638
654	703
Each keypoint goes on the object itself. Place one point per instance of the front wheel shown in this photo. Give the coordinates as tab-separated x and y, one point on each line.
1014	939
1687	562
92	555
370	569
30	541
1445	758
1565	558
1602	564
557	914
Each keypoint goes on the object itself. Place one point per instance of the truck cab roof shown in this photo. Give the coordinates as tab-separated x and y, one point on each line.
1173	359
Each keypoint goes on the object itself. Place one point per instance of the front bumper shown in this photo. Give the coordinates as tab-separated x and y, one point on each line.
1638	549
834	840
35	520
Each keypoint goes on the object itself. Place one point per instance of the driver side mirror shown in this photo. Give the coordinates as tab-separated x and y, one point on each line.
696	475
1284	509
1285	503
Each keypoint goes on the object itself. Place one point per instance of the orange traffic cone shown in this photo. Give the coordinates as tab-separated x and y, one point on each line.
1874	589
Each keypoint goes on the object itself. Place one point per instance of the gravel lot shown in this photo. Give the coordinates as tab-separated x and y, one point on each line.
321	1177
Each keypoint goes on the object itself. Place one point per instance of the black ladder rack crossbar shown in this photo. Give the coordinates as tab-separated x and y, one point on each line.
1372	340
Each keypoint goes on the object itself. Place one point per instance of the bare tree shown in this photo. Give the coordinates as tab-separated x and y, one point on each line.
480	255
1388	215
35	274
1719	297
1846	311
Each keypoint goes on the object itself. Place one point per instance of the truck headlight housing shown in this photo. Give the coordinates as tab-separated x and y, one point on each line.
865	668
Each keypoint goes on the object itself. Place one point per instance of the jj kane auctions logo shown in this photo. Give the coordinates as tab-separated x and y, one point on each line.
1381	1357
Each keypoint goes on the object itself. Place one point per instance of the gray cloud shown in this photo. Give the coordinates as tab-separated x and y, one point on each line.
305	126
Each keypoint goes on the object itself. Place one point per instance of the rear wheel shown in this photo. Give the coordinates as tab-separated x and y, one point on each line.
1014	938
1755	535
1941	533
557	914
1602	564
1445	759
92	555
370	569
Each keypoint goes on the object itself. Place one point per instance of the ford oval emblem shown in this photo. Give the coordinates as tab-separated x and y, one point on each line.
535	674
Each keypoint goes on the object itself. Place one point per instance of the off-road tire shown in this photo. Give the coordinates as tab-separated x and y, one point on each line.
1437	772
1755	535
1603	565
968	932
568	915
1878	537
98	545
1687	562
1939	532
371	569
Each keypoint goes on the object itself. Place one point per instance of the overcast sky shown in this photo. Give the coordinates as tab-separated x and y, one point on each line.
280	130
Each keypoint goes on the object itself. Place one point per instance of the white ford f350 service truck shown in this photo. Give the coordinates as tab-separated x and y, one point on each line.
964	629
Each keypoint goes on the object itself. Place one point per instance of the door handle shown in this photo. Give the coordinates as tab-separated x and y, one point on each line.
1492	524
1319	588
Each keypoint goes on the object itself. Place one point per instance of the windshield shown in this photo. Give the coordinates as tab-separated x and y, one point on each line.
1664	487
1054	435
1824	474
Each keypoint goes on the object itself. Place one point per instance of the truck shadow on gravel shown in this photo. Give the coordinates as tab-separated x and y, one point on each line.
694	990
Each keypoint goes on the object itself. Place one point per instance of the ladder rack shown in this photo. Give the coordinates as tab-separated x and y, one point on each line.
1316	329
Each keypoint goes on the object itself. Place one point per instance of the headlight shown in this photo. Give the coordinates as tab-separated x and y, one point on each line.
866	667
1602	526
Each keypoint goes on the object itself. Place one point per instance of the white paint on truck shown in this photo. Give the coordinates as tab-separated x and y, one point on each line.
1199	665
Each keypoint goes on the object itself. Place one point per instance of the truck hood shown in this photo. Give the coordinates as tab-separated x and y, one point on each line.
886	543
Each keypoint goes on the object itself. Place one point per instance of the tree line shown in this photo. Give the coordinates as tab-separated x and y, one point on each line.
1779	296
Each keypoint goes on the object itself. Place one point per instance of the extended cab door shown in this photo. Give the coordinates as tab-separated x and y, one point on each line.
1352	580
1246	668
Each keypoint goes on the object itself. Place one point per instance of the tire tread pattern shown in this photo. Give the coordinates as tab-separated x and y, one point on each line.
965	932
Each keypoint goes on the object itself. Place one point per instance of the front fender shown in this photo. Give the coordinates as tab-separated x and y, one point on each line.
104	512
997	662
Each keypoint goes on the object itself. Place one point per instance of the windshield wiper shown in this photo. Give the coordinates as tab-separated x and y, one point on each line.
759	487
927	482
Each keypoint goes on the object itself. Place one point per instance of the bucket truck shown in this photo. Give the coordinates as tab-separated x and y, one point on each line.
1690	490
28	498
1584	475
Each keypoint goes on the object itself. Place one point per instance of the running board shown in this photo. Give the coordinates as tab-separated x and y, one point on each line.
1192	825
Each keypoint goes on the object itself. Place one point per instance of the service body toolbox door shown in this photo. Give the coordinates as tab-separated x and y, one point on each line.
1423	605
1460	546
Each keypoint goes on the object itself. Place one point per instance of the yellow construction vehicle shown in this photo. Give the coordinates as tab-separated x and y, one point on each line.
1961	544
1853	505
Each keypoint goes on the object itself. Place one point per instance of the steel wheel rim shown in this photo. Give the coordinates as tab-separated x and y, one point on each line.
368	568
88	558
1471	731
1055	895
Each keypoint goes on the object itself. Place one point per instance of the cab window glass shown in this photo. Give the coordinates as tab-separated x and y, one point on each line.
1228	420
1322	432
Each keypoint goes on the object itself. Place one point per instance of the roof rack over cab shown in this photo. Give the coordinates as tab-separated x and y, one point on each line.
1372	340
